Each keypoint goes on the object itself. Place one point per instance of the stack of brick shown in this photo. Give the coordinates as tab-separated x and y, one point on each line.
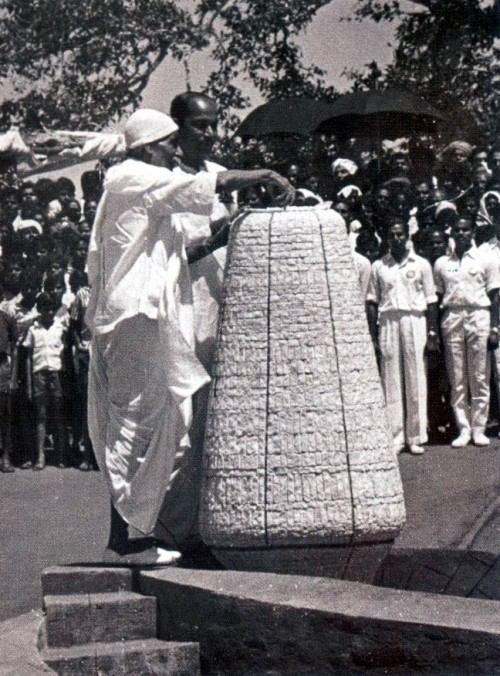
297	449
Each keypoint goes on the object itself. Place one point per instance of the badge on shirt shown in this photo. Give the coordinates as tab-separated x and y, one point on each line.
410	274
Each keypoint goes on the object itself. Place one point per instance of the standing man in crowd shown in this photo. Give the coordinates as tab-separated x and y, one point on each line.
468	281
402	317
144	368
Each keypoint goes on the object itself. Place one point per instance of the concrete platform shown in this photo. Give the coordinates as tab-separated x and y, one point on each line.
262	623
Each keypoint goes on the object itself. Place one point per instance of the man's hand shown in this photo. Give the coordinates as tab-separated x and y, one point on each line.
281	192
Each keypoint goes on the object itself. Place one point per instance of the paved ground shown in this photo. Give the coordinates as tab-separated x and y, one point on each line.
61	516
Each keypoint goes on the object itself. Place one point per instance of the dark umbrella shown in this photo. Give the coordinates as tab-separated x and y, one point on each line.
389	113
297	115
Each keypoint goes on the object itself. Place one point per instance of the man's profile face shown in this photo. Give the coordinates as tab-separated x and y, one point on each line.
198	132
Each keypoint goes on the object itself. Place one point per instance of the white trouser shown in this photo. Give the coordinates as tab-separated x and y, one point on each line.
137	429
465	337
402	340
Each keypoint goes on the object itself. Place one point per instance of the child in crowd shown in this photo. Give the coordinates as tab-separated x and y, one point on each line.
8	341
45	341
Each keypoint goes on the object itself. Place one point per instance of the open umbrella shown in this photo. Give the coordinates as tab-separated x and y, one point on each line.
298	115
389	113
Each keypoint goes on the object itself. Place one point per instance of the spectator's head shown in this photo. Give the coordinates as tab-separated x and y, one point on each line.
65	189
12	271
77	280
435	243
293	175
480	177
54	285
400	165
457	153
197	116
9	205
343	169
494	160
469	206
462	231
423	194
342	208
28	230
42	249
368	245
382	200
30	286
46	307
397	236
91	184
28	200
79	256
445	214
46	191
89	211
74	211
57	262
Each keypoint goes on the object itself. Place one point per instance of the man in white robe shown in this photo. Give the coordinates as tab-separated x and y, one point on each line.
144	368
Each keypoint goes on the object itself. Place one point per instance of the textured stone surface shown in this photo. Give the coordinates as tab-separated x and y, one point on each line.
75	619
258	623
451	572
130	658
85	579
297	449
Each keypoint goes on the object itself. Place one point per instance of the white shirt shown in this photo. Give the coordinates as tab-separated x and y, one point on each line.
466	283
406	286
363	268
137	262
47	344
137	244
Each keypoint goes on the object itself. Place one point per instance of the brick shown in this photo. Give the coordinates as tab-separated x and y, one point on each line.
83	580
76	619
127	658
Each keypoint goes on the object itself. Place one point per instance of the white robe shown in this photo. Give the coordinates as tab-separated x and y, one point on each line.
143	363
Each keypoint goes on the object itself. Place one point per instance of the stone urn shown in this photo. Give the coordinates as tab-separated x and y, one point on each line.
299	475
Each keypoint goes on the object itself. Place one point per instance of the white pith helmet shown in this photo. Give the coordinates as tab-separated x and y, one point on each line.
147	125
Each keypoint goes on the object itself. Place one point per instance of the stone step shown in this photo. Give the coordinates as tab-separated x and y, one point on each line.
85	580
125	658
75	619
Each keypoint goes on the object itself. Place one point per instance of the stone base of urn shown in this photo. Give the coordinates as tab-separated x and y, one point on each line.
358	563
299	473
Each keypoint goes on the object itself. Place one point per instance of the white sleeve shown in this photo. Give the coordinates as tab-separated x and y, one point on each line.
186	193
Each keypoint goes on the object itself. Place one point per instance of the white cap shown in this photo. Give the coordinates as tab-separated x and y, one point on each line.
147	125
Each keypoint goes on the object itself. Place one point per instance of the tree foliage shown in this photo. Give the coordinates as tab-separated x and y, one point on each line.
82	63
448	51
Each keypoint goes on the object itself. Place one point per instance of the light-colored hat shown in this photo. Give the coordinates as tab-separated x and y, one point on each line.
147	125
350	166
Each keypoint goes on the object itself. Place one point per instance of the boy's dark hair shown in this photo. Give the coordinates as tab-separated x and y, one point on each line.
65	183
77	279
44	302
31	277
53	280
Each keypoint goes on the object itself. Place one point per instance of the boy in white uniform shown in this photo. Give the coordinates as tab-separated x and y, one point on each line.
402	297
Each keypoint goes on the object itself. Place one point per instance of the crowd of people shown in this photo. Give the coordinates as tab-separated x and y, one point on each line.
423	226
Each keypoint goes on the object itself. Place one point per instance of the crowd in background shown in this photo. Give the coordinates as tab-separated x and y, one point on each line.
45	234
